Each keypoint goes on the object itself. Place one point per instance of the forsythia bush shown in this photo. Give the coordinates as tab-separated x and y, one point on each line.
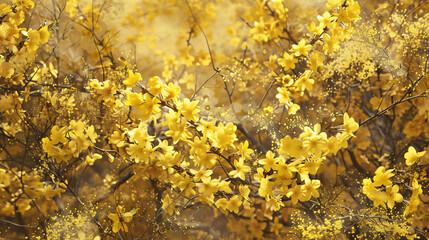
200	119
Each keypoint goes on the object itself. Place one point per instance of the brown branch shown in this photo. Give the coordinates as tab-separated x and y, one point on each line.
385	110
115	186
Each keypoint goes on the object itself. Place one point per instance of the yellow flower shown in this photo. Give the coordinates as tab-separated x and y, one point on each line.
225	136
140	152
198	146
378	197
283	95
286	80
134	99
414	201
269	161
313	166
6	69
234	203
23	4
132	79
267	111
190	110
90	160
316	30
117	138
258	32
293	108
244	150
33	40
4	178
259	175
332	4
412	155
185	57
167	73
155	85
315	61
168	204
351	13
171	92
276	226
185	183
5	8
207	128
266	188
240	169
311	187
44	34
208	160
274	204
178	131
208	185
331	43
244	191
314	141
171	61
224	186
201	175
188	79
301	48
284	175
295	193
393	196
332	146
299	168
350	125
221	203
120	218
149	107
382	177
287	62
326	19
292	147
306	80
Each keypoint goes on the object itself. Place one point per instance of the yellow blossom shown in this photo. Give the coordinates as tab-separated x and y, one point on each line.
382	176
269	161
120	218
301	48
234	203
134	99
412	155
221	203
287	62
167	204
244	191
316	30
283	95
190	110
350	125
240	169
293	108
275	228
393	196
295	193
326	19
132	79
244	150
91	159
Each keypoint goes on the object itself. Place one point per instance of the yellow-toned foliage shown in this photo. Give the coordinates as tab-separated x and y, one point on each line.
217	119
